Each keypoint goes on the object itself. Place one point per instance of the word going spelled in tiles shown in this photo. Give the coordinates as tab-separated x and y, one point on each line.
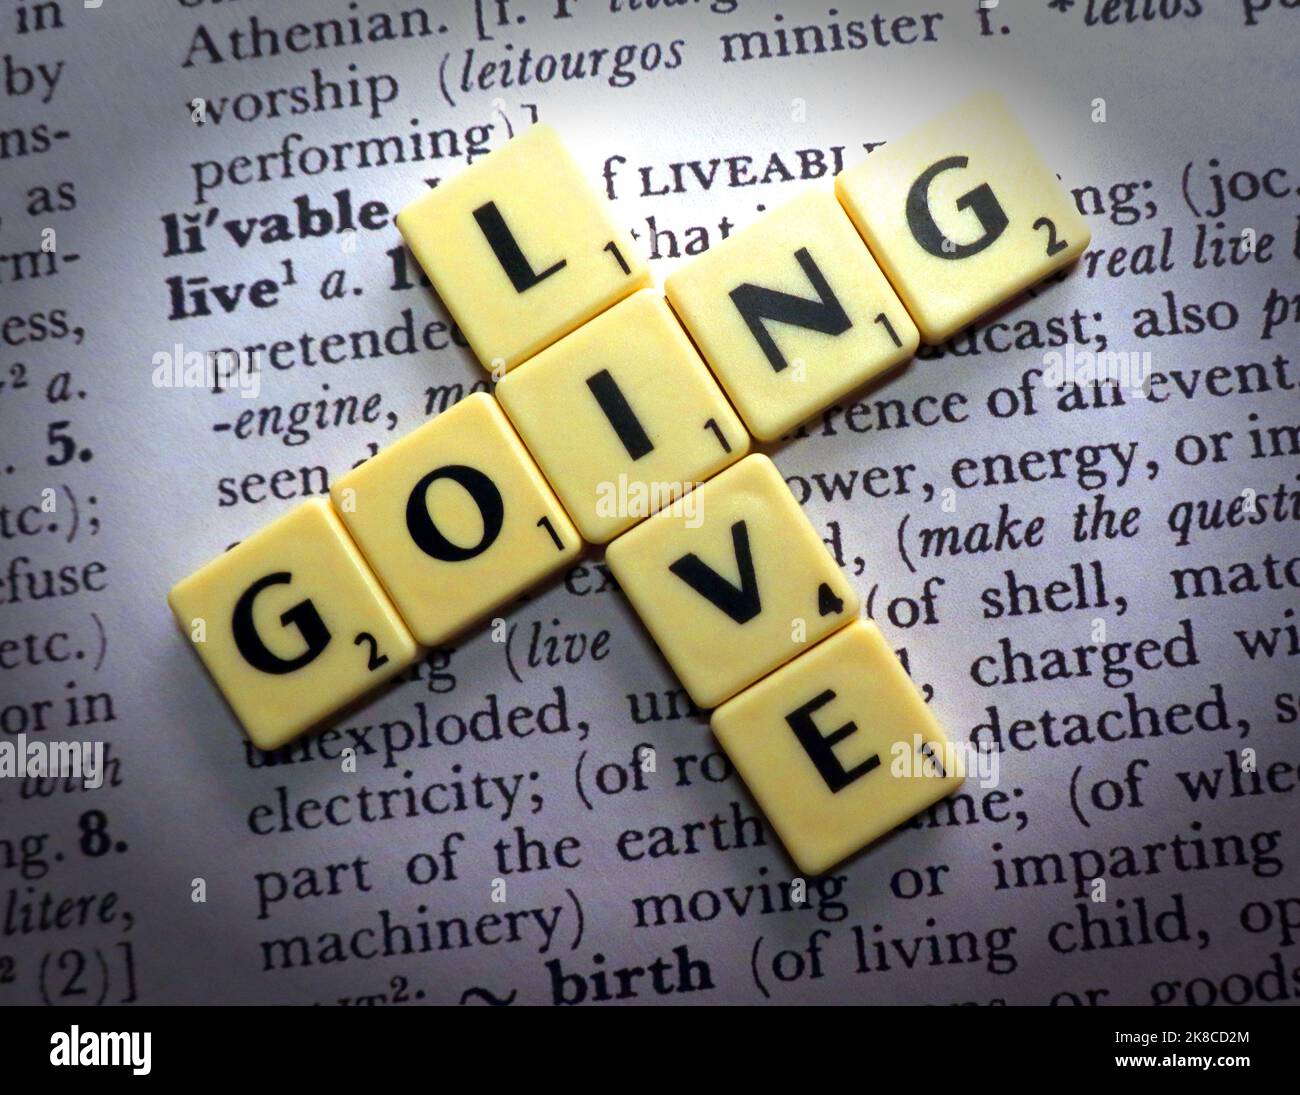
792	313
613	428
521	249
838	747
962	214
456	519
292	624
623	416
733	582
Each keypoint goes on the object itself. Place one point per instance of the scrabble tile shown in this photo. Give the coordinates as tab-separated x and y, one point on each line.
622	415
292	624
521	248
792	313
837	747
732	583
962	214
456	519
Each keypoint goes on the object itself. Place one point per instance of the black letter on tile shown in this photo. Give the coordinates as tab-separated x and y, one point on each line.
425	533
303	616
758	305
508	251
981	200
624	420
820	747
741	604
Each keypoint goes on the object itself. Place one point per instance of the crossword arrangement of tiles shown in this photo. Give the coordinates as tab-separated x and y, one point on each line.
611	427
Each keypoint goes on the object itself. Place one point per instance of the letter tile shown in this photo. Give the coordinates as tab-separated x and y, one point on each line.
622	416
521	249
733	582
962	214
292	624
456	519
838	747
792	313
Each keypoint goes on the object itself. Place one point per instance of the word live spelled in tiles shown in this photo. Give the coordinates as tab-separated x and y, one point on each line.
613	428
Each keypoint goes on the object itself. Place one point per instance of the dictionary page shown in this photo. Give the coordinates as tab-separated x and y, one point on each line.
1099	580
